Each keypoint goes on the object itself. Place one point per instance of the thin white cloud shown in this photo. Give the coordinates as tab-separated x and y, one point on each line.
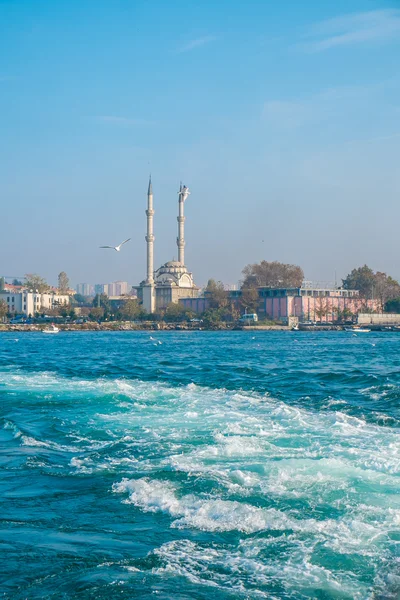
115	120
357	28
289	115
328	105
196	43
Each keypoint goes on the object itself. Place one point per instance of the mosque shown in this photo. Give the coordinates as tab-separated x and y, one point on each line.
172	281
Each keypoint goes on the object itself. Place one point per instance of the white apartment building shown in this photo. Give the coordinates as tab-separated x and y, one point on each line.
85	289
118	288
101	288
29	302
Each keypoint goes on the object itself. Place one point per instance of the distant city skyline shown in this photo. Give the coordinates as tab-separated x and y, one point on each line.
115	288
284	122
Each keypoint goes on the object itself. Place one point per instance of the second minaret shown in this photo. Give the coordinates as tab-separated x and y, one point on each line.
180	240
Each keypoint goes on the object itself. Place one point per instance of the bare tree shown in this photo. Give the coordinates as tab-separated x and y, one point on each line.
33	281
273	275
249	299
63	282
385	289
322	308
216	294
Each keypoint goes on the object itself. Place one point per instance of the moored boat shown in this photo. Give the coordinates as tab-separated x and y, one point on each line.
51	329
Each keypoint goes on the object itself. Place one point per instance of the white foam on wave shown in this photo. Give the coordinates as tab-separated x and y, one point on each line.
377	392
201	513
28	440
350	534
249	449
90	464
247	572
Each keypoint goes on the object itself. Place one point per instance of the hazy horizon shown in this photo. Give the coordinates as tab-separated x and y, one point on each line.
283	120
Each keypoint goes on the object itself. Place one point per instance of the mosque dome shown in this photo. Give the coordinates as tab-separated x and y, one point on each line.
173	267
173	263
174	273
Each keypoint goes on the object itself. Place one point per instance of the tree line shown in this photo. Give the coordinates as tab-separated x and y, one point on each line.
372	285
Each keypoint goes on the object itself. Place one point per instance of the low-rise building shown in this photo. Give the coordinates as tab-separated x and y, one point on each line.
304	303
20	300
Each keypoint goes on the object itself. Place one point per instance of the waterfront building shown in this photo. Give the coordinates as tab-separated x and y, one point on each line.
20	300
304	303
172	281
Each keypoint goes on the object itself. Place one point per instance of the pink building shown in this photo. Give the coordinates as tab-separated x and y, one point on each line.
307	304
320	305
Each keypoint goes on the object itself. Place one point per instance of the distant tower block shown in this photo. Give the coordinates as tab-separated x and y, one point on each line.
180	240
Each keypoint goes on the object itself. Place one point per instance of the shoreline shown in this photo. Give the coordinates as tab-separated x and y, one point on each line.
149	326
119	328
95	327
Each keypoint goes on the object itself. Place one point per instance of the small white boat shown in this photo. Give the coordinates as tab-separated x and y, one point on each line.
51	329
295	328
357	329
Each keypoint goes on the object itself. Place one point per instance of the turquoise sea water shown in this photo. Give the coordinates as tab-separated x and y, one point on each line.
200	465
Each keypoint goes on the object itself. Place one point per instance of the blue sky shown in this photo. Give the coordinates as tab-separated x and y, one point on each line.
283	119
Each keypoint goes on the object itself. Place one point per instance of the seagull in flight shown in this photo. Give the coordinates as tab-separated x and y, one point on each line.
116	248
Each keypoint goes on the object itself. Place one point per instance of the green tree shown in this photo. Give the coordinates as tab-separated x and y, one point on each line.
361	279
97	313
79	299
3	309
63	282
66	310
102	301
33	281
347	314
378	286
130	309
176	313
393	305
213	318
16	282
249	299
216	294
273	275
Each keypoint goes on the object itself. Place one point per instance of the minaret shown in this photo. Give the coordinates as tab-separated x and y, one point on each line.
150	236
180	240
149	296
